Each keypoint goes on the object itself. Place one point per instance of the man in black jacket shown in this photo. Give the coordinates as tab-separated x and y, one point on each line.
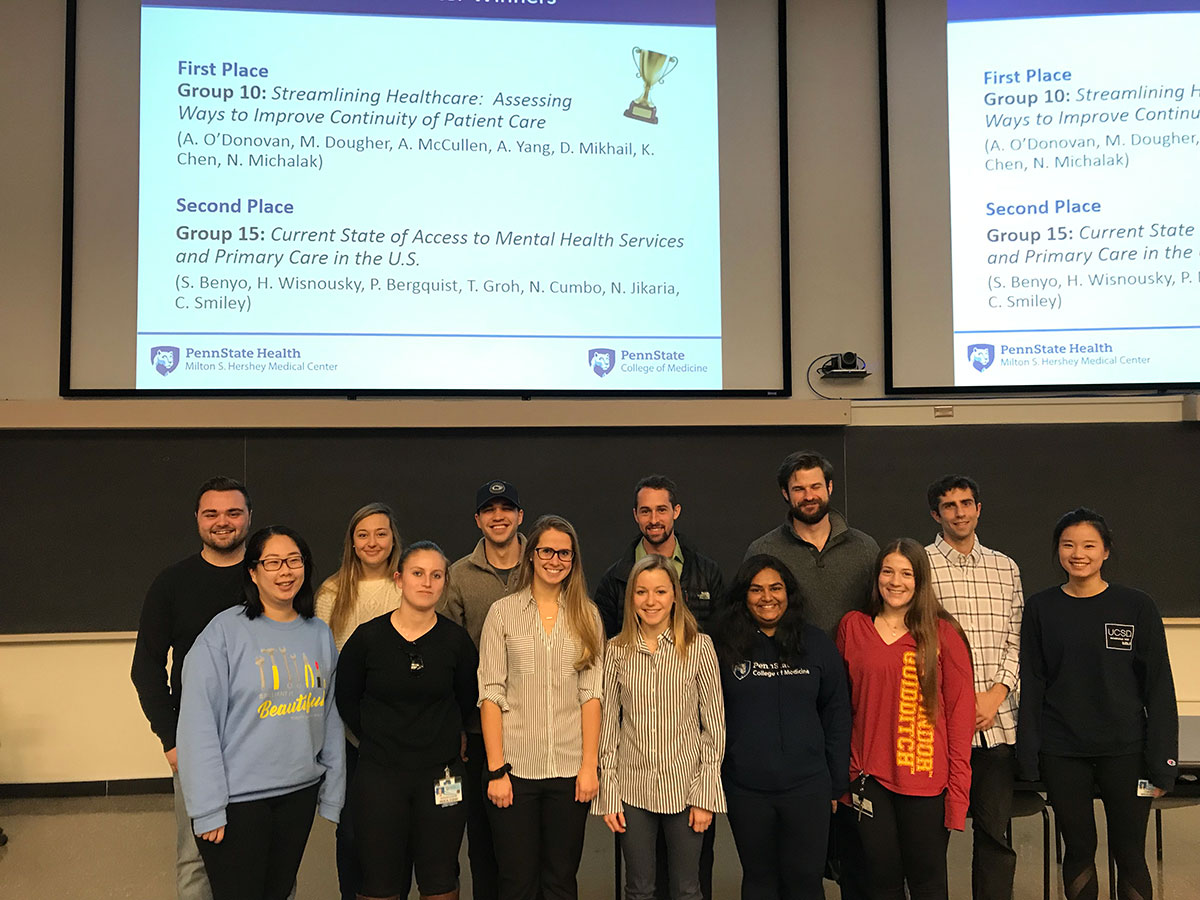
655	509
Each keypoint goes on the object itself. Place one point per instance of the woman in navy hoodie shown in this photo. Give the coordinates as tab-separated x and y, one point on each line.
787	715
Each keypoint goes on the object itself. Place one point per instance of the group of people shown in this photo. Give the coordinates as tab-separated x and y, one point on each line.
846	705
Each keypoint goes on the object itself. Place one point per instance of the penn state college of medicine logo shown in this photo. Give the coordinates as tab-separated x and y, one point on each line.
164	359
981	355
741	670
602	360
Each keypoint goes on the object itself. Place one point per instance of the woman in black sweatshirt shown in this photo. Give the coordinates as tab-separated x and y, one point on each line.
1097	708
787	718
406	682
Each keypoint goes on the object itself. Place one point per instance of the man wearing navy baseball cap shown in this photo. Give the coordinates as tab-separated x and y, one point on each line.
475	582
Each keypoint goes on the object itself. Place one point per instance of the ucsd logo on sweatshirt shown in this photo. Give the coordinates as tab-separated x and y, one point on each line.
914	732
291	684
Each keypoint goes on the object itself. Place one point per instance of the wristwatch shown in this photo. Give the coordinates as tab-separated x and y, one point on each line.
493	774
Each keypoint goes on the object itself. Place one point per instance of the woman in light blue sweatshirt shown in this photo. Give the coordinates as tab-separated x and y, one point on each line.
260	740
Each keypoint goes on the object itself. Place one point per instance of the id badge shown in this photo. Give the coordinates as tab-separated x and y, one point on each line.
862	806
448	791
1145	788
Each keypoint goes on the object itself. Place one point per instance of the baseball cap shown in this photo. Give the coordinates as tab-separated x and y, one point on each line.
496	490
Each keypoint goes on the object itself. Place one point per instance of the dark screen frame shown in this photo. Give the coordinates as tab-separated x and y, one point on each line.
888	223
66	388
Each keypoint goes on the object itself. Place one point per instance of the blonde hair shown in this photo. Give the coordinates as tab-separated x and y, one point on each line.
683	624
582	617
344	582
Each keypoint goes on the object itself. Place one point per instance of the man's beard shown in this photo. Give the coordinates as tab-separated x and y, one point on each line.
239	538
811	518
667	534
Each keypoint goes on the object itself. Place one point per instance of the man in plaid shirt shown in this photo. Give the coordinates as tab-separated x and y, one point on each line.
982	589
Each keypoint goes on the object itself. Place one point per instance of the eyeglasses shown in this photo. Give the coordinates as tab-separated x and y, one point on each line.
415	663
274	564
545	553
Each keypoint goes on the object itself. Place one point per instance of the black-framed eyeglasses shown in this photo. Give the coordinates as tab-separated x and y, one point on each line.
547	553
415	663
274	564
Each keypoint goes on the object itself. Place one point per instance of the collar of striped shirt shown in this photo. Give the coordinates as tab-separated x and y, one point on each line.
668	636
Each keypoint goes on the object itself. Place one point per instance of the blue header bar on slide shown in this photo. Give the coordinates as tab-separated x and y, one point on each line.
969	10
660	12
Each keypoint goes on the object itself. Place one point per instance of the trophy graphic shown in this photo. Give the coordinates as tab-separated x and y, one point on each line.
652	68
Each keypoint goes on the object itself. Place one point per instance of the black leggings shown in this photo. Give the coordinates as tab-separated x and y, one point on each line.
905	841
264	842
1072	784
344	854
399	827
781	840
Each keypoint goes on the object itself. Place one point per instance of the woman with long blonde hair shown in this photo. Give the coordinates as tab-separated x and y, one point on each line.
663	734
540	686
364	585
363	588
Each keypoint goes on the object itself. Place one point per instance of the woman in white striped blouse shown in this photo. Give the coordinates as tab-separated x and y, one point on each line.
663	733
540	688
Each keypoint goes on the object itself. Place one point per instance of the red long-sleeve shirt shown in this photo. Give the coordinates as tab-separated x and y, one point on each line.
891	740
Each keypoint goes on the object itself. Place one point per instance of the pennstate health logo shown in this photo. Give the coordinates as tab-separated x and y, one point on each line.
164	359
981	355
602	360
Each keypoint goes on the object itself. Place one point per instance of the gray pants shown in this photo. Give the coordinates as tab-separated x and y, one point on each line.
191	881
683	854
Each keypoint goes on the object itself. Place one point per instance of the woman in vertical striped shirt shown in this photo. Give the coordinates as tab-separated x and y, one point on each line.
540	687
663	733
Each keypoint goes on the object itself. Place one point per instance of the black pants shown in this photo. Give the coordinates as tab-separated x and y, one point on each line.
905	842
263	845
846	851
993	861
398	828
662	887
781	840
1072	783
347	859
485	881
539	839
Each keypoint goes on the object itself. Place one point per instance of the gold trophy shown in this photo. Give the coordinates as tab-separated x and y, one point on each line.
652	68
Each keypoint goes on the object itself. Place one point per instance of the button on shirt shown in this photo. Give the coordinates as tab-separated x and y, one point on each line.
982	589
663	734
531	676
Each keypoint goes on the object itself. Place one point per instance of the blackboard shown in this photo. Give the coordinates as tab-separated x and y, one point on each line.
88	518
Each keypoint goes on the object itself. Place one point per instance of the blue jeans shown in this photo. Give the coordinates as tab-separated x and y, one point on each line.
638	846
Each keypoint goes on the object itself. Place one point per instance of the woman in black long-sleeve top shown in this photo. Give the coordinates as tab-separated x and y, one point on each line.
787	715
1097	708
405	682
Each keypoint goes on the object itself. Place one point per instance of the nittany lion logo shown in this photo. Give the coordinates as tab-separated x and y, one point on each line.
981	355
164	359
602	360
741	670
